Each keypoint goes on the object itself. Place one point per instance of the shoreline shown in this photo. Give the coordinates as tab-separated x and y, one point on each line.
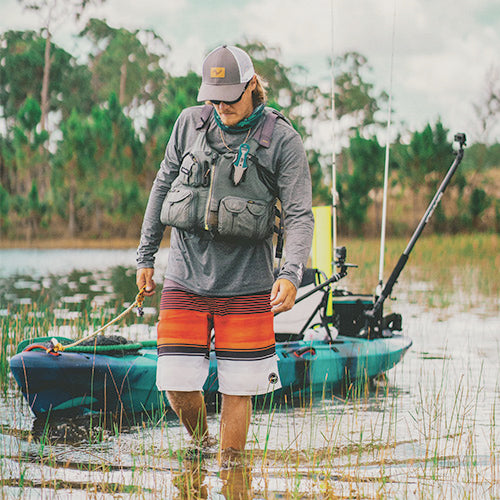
128	243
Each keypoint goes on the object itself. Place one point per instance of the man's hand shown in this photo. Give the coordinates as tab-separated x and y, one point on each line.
144	276
283	296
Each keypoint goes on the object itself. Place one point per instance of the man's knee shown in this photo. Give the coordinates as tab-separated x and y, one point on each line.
185	400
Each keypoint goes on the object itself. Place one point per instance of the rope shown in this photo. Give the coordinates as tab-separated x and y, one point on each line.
98	349
40	346
105	348
139	300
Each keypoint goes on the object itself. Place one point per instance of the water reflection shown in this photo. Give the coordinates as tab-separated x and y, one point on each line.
83	299
190	482
429	428
73	430
32	262
237	483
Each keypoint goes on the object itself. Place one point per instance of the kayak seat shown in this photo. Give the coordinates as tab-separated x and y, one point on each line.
311	276
290	324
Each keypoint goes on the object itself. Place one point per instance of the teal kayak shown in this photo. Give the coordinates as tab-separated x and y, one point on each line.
312	360
124	379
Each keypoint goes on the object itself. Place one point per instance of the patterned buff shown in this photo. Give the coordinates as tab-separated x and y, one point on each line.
243	125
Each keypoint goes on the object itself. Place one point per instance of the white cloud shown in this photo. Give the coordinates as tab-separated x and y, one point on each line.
441	52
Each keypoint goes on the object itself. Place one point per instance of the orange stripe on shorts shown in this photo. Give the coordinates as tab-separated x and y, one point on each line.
243	325
183	332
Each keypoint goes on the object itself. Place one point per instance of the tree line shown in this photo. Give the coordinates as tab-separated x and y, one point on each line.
80	147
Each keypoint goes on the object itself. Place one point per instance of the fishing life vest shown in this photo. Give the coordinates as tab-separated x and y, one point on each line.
230	195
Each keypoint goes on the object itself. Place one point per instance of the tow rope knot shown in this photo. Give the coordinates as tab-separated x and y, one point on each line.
139	300
55	346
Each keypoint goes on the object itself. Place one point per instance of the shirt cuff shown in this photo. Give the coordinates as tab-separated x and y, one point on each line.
293	273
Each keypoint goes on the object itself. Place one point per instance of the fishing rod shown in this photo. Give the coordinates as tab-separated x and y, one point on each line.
335	194
373	315
386	162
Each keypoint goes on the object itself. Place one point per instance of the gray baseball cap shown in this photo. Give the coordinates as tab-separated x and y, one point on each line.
226	71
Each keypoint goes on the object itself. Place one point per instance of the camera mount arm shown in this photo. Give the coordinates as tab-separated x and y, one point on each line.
373	313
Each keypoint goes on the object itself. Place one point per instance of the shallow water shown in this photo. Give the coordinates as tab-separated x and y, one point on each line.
428	431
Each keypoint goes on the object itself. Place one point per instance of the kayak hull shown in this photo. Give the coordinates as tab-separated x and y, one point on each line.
78	383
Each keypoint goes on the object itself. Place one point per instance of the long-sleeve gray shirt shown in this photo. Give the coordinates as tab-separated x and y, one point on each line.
225	268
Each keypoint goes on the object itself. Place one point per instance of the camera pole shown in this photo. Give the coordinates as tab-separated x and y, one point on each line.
373	313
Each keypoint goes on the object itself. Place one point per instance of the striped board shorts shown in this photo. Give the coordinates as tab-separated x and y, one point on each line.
244	342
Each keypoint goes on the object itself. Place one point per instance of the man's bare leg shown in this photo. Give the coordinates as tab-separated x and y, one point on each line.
234	422
191	410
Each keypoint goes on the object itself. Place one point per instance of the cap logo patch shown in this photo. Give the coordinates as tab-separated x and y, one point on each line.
216	72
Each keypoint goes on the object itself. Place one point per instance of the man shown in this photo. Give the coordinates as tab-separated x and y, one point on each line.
225	166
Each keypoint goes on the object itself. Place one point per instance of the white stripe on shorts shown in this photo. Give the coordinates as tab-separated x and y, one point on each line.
248	378
172	375
236	378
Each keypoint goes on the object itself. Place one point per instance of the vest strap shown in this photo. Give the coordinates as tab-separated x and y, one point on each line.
265	133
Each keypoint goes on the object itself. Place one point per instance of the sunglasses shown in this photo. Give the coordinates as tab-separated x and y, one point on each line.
229	103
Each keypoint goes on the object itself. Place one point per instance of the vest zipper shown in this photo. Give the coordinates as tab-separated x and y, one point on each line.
210	192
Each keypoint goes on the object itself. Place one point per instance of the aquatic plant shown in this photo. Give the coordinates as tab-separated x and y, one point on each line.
428	430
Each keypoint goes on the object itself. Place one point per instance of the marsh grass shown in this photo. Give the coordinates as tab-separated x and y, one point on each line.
427	430
364	446
441	270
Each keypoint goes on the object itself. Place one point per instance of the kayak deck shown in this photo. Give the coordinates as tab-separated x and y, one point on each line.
80	382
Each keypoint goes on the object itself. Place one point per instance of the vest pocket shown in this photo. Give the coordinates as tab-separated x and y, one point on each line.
192	171
179	209
242	218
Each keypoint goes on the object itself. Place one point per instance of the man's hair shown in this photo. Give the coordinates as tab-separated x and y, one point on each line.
259	95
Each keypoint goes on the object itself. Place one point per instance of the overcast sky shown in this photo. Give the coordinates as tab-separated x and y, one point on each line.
442	49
